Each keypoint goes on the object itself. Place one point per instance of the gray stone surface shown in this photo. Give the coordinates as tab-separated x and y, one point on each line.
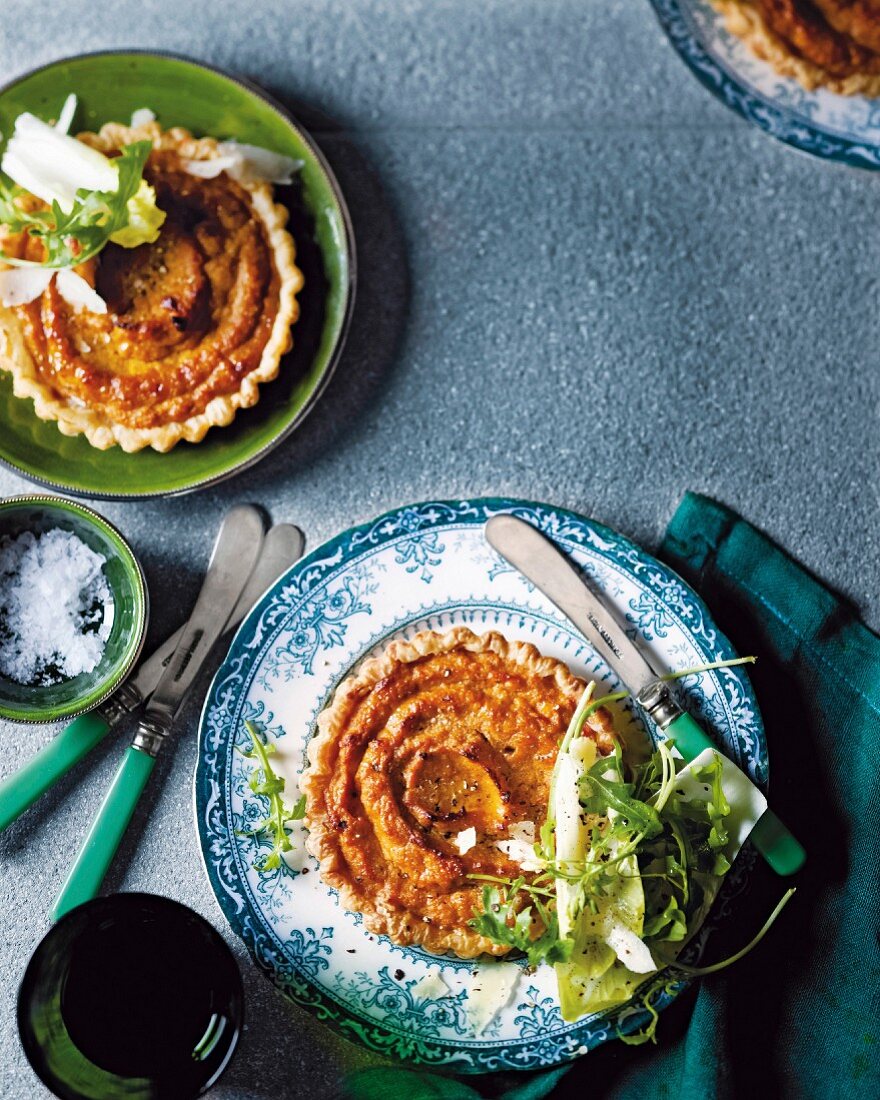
582	281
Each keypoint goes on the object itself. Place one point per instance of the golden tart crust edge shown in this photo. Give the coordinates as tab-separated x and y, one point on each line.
101	432
744	20
321	843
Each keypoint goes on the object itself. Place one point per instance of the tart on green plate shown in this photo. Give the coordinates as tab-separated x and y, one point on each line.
187	96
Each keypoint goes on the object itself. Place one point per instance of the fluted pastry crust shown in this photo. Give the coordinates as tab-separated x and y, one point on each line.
207	392
436	735
821	43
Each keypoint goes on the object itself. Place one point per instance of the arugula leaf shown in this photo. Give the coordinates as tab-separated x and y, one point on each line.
647	838
717	807
674	843
16	218
601	795
648	1034
503	924
713	968
95	217
544	849
267	783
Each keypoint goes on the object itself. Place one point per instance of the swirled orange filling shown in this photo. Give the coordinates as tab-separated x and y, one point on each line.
450	742
188	316
819	31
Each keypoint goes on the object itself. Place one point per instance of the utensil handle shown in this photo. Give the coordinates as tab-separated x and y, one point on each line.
24	787
99	847
782	851
690	738
780	848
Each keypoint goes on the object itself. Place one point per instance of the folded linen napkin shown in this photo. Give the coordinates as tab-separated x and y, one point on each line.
798	1016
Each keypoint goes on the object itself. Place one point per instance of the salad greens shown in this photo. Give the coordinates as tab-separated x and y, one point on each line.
503	923
629	861
266	782
91	199
127	215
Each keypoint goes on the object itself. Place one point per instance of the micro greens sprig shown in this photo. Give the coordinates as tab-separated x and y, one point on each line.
73	237
673	973
502	923
266	782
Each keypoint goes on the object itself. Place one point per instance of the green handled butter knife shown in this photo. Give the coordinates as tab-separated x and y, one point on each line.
235	554
552	573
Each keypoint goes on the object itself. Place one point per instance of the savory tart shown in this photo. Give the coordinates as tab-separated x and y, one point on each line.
427	759
187	327
822	43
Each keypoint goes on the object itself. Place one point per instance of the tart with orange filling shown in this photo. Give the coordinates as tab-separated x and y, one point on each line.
822	43
188	326
428	760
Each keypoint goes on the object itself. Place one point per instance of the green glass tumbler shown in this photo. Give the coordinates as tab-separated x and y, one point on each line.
130	997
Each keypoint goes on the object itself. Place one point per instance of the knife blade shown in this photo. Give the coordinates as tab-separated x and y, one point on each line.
282	546
534	556
550	571
234	556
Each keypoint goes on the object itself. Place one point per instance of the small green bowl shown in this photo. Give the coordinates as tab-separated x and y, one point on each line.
109	86
128	589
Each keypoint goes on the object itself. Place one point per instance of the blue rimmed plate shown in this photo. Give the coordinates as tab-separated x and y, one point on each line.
422	567
835	127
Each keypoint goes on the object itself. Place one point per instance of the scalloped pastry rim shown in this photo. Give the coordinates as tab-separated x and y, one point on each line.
99	429
380	918
744	21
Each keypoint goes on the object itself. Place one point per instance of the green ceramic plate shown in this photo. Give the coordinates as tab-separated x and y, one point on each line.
128	588
185	93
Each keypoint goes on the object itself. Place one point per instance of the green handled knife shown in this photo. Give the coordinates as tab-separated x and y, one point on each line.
282	546
552	573
235	554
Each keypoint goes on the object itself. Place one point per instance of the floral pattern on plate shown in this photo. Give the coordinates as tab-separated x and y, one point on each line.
423	567
836	127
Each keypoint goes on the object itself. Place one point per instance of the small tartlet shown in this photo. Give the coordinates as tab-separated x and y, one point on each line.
795	37
437	735
153	402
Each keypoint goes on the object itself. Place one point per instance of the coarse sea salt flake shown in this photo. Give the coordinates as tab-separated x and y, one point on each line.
56	609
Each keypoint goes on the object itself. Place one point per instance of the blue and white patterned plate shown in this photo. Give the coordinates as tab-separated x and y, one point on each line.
426	566
836	127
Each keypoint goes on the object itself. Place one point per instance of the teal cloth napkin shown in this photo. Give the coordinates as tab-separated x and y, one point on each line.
798	1016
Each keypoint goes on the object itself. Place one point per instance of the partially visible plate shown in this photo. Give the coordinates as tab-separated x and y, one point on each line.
836	127
110	86
425	566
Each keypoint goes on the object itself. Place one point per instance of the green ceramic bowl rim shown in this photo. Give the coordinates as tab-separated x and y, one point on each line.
97	694
349	287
